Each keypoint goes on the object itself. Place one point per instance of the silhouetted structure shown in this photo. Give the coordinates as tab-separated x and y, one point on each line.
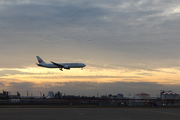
58	95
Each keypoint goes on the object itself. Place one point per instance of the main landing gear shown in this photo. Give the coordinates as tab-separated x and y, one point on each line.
61	69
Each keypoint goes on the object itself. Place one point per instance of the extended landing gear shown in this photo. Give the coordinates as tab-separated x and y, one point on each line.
61	69
81	68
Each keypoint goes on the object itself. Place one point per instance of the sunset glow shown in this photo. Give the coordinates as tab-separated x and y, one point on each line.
37	75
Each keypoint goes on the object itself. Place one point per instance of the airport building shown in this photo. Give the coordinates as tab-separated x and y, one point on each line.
51	94
142	96
118	96
168	98
170	95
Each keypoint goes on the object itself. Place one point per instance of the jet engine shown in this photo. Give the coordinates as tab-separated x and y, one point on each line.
66	67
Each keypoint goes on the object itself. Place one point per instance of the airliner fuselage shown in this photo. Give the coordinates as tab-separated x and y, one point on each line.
59	65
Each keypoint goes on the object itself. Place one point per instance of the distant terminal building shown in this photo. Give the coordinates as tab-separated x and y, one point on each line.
142	96
170	95
51	94
58	95
141	99
5	94
118	96
15	96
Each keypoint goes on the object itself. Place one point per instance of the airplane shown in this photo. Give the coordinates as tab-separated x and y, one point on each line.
59	65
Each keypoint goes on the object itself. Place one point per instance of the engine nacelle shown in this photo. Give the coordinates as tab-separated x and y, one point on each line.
66	67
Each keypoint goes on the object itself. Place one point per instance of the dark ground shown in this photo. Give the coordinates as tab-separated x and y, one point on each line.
89	113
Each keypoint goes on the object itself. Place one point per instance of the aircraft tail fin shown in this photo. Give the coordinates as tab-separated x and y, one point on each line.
40	60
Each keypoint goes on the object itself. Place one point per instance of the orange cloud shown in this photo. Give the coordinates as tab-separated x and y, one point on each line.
36	74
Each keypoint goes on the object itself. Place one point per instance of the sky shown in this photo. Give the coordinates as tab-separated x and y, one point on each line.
128	46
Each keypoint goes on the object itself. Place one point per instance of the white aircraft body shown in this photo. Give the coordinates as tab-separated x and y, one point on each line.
59	65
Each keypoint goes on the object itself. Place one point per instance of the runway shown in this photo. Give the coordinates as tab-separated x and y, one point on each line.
89	114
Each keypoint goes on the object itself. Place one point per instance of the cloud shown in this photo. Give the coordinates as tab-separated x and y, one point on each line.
145	74
22	86
8	72
116	31
83	77
11	72
2	84
33	16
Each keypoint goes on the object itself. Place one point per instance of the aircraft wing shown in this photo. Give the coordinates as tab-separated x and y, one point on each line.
60	66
